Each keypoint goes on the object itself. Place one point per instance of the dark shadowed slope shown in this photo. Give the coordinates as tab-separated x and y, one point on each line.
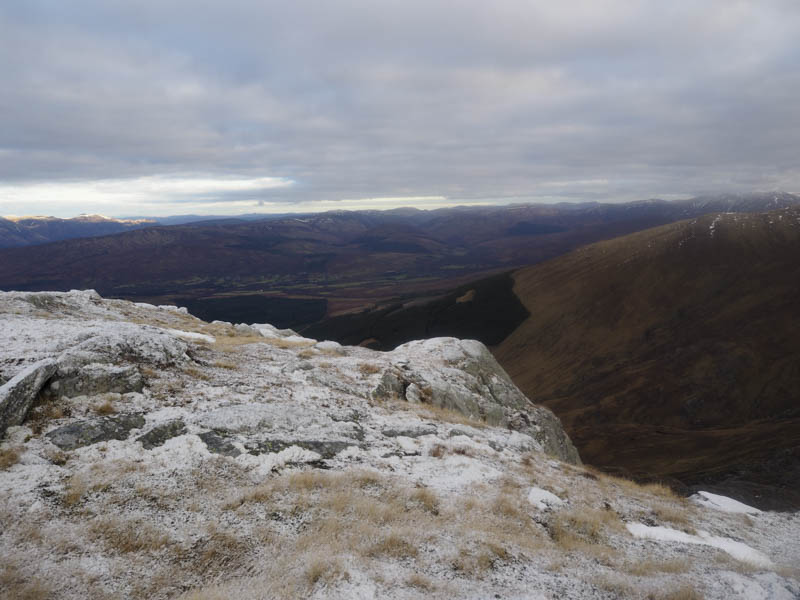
674	352
485	310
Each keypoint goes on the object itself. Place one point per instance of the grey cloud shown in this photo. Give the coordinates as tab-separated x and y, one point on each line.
471	100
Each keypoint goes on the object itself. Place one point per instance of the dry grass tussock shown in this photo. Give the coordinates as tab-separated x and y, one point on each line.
369	368
360	516
683	592
488	518
226	364
196	373
579	527
98	478
647	567
9	457
356	513
45	411
231	343
128	535
638	490
16	584
431	411
104	408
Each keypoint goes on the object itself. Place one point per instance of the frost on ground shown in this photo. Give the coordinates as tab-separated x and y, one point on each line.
168	457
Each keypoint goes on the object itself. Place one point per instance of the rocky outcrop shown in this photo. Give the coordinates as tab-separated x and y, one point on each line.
162	432
127	342
94	346
325	448
218	444
463	376
96	379
19	394
85	433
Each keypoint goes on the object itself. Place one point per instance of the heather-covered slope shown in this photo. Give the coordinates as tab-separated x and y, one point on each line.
168	457
674	352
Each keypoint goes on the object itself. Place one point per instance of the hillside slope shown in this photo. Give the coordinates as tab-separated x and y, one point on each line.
674	352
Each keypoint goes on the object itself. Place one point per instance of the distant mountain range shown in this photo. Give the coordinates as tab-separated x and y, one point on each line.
294	271
28	231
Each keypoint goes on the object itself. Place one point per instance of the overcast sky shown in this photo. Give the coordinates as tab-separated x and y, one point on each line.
189	106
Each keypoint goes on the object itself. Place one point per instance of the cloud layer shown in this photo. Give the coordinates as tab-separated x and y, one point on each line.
469	101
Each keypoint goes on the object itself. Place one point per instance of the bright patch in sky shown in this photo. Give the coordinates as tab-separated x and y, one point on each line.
142	195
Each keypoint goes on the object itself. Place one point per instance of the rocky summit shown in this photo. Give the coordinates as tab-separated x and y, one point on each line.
146	453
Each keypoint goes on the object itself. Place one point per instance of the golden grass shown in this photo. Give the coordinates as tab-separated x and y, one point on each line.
231	343
479	558
55	455
426	499
99	478
226	364
15	584
197	373
684	592
419	581
393	545
447	415
45	411
647	567
616	585
576	528
369	368
9	457
106	408
677	515
325	570
128	535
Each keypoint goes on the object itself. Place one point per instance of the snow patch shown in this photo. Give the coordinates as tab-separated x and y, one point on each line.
191	335
542	499
737	550
723	503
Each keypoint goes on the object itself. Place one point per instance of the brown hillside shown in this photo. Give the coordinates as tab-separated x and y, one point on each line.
674	352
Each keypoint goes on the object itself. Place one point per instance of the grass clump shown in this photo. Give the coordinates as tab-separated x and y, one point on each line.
128	535
575	529
106	408
9	457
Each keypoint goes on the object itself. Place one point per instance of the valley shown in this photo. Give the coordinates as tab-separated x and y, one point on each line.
670	353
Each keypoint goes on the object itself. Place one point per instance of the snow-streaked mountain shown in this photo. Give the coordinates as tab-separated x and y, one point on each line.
164	457
33	230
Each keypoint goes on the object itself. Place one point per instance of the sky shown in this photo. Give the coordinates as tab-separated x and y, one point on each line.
176	106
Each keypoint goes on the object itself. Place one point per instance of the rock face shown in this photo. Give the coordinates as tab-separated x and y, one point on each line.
85	433
96	379
18	395
159	434
463	376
